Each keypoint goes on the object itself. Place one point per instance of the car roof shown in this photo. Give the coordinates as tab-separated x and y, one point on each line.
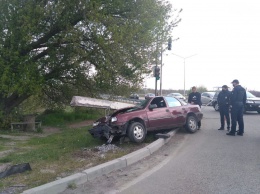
175	93
211	92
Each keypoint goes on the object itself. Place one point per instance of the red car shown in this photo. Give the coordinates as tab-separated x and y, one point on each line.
152	114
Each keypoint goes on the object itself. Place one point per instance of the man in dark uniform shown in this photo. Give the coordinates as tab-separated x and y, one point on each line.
237	102
195	98
223	103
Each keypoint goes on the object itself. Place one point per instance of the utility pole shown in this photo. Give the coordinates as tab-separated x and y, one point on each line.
184	58
161	72
156	66
158	74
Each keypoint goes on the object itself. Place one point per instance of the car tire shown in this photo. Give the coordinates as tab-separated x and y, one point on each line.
216	107
136	132
191	124
258	111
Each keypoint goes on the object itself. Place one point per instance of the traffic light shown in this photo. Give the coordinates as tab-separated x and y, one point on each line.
157	72
170	43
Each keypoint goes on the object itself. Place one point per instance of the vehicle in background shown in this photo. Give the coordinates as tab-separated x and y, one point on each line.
215	101
149	95
153	114
177	95
207	97
252	102
134	96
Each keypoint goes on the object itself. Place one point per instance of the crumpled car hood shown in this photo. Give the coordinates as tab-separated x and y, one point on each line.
126	110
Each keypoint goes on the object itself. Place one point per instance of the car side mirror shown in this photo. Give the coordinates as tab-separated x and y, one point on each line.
152	106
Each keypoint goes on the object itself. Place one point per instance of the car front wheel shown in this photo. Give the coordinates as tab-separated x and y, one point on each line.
136	132
258	111
191	124
216	107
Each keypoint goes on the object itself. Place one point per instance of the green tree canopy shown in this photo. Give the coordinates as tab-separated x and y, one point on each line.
60	48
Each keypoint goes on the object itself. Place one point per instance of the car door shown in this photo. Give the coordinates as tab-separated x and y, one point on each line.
204	98
177	110
159	117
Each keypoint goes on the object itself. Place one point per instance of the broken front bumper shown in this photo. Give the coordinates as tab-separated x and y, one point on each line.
106	130
100	131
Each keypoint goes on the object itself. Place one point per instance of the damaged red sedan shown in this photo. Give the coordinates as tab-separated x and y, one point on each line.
157	113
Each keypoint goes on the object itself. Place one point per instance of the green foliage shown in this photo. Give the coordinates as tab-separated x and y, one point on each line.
2	142
57	49
62	117
72	186
200	89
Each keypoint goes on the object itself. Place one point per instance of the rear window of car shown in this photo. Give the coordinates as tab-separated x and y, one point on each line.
172	102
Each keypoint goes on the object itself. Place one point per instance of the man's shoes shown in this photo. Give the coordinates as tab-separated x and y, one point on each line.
221	128
240	134
198	128
232	134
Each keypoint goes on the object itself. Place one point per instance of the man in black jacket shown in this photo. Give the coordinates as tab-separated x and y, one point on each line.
195	98
223	103
237	102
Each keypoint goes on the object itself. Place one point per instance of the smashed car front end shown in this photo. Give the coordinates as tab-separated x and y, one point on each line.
101	128
108	126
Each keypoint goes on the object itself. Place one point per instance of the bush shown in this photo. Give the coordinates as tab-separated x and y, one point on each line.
61	117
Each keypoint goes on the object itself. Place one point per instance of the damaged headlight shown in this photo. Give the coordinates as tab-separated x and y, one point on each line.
113	119
95	124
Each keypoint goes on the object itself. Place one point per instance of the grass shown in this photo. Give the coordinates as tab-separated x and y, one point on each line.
53	152
54	156
2	147
52	147
3	141
72	186
60	154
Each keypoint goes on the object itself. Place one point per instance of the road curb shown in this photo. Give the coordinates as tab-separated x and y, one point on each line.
60	185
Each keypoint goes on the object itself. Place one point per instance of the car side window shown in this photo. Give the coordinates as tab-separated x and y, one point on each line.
159	102
172	102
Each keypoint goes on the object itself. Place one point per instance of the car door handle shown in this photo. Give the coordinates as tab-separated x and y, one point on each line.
167	110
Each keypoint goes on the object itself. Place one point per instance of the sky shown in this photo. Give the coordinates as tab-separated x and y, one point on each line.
221	40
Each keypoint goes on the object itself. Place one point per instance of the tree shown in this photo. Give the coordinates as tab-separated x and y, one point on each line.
200	89
62	48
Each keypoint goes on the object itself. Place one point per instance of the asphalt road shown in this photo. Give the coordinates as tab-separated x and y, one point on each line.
208	161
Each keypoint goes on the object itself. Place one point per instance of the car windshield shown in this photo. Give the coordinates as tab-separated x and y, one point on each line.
183	102
212	93
249	95
174	94
142	104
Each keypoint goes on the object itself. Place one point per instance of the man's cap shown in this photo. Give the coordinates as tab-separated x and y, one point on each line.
235	81
224	86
